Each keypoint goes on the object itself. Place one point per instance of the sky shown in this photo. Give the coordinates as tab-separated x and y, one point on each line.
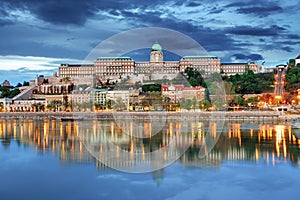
37	36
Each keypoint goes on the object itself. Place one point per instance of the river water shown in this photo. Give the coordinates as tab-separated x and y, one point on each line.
147	159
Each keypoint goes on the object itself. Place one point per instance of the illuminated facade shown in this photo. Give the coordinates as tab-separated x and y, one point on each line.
177	93
76	71
120	67
238	68
111	67
205	64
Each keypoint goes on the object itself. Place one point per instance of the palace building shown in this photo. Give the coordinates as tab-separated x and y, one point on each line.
156	68
238	68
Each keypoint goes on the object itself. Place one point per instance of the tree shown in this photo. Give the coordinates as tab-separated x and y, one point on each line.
151	87
250	83
4	92
204	104
193	82
293	79
13	93
194	103
194	77
187	104
292	63
38	107
19	85
25	83
65	80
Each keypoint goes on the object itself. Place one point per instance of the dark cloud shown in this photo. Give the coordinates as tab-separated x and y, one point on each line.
256	31
4	16
236	4
260	11
64	11
76	12
216	10
287	49
251	57
210	39
193	4
260	8
204	24
293	36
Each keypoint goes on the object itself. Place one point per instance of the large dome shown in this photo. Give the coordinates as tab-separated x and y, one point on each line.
156	47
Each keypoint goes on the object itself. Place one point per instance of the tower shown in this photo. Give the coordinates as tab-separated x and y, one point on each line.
156	54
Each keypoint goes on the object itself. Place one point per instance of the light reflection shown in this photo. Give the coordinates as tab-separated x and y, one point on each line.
268	143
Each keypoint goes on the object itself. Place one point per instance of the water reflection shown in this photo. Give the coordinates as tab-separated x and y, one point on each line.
267	143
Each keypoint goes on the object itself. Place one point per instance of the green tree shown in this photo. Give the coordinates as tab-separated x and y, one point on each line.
292	63
187	104
151	87
4	92
194	77
204	104
25	83
194	103
19	85
250	83
293	79
13	93
38	107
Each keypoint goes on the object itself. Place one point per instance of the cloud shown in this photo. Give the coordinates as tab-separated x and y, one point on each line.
210	39
259	8
12	62
66	12
63	11
4	17
273	30
24	68
292	36
193	4
68	28
259	11
287	48
251	57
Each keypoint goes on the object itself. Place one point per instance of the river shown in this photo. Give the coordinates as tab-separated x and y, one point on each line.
147	159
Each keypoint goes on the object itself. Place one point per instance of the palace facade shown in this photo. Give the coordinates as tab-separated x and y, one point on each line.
156	68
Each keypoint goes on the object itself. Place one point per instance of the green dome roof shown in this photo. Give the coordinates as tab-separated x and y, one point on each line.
156	47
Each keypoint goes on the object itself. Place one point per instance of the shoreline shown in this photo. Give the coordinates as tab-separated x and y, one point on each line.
216	115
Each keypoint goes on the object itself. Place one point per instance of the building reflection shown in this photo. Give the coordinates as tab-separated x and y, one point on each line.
107	141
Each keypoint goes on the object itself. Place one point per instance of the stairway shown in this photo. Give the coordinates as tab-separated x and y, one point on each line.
26	94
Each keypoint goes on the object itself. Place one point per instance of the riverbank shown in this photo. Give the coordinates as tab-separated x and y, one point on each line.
218	115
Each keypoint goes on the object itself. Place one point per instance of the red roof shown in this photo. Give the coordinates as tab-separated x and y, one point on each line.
298	57
197	88
181	87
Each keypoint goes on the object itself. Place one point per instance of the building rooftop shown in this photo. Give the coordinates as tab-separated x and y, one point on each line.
298	57
6	83
115	58
234	63
156	47
76	65
199	57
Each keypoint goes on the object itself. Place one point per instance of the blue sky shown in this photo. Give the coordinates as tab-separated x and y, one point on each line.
36	36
